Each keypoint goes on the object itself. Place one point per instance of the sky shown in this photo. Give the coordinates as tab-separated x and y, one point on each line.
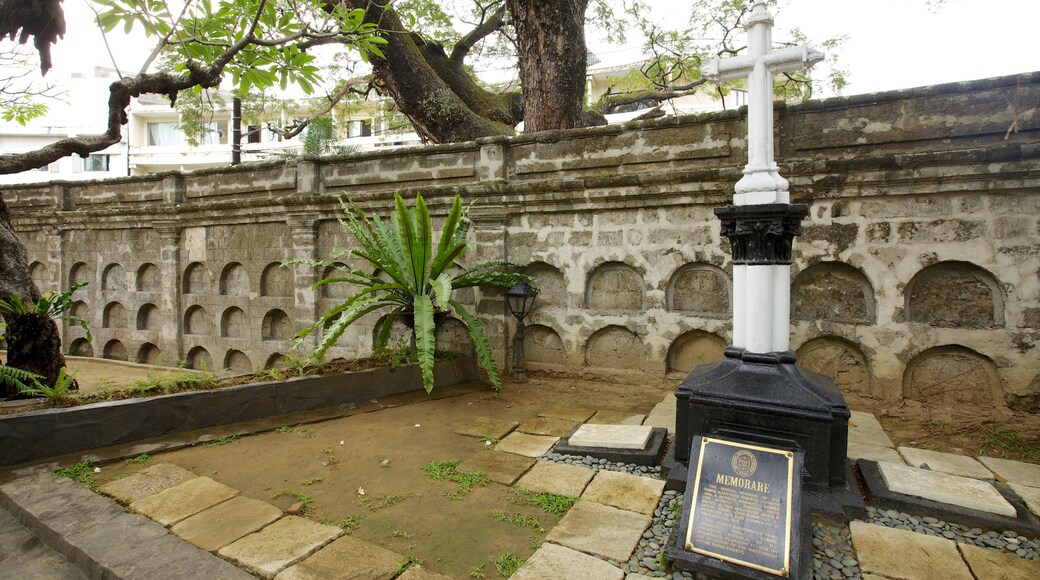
892	44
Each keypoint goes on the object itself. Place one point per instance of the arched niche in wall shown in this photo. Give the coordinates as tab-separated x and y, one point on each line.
399	333
336	290
276	280
700	289
542	344
113	278
833	291
199	359
114	350
148	354
148	318
276	326
694	348
79	272
451	335
237	362
955	295
113	316
615	347
197	279
953	376
147	278
839	359
233	323
234	280
80	310
615	286
40	276
552	286
197	321
275	361
80	347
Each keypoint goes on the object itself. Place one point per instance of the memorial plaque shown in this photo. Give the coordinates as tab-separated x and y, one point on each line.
742	508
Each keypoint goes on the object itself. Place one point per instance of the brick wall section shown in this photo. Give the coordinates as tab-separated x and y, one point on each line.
916	275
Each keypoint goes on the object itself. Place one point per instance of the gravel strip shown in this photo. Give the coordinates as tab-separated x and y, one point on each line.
598	464
1006	541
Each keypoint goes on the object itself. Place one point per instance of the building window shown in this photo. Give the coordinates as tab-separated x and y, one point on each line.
96	162
163	134
214	133
253	134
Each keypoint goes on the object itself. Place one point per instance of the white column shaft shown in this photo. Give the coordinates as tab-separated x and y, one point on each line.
781	307
739	305
759	325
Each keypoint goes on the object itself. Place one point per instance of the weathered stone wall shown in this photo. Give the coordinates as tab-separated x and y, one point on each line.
915	276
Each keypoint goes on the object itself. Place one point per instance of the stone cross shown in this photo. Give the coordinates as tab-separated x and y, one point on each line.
761	287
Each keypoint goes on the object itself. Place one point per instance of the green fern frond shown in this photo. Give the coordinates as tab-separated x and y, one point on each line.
480	341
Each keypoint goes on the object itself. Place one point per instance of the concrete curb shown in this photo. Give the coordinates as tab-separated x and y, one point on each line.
90	531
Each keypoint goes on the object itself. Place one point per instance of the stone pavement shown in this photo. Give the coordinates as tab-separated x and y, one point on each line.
178	522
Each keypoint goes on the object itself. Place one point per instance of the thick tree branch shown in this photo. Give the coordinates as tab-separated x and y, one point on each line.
489	26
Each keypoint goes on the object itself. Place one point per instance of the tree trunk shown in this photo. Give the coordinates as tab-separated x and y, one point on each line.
33	343
550	37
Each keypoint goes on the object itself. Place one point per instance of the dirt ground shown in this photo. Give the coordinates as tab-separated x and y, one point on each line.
364	470
96	375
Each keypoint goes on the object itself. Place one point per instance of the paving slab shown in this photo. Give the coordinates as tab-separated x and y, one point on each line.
625	491
558	478
525	444
279	545
611	436
218	526
953	464
487	427
422	573
553	562
149	481
945	488
993	565
600	530
906	555
181	501
1014	471
865	428
1031	495
504	468
576	414
670	400
662	415
604	417
547	426
344	559
873	452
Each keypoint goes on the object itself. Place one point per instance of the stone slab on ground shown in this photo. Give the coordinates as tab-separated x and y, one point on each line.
611	436
343	559
547	426
149	481
558	478
181	501
961	465
576	414
487	427
1014	471
604	417
599	529
662	415
504	468
1030	495
625	491
279	545
525	444
945	488
422	573
218	526
865	428
873	452
553	562
906	555
993	565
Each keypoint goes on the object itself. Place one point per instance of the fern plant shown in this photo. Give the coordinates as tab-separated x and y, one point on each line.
51	305
62	389
13	378
417	286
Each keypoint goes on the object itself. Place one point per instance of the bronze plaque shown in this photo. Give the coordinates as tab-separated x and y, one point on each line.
742	505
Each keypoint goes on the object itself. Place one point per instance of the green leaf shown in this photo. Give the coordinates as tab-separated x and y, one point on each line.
442	290
425	338
385	329
480	341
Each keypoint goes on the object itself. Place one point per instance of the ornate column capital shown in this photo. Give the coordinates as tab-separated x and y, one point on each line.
762	234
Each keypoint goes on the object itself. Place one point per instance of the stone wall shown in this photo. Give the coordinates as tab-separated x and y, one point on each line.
915	276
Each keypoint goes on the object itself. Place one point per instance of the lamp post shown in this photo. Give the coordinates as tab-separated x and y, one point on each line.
520	299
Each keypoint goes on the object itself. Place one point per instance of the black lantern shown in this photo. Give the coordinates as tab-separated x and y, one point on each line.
520	299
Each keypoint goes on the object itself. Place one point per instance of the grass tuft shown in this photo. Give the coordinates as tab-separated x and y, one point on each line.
450	471
551	502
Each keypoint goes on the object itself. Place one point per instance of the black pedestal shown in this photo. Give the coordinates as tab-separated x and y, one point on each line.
766	399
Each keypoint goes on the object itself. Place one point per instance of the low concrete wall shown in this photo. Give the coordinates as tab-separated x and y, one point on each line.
47	433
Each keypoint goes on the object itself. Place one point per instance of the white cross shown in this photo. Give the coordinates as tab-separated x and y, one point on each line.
761	182
761	293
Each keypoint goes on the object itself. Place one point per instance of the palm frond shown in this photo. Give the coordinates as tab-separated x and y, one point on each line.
425	338
385	329
441	286
480	341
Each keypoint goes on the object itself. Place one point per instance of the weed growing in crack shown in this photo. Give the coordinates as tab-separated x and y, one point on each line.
506	563
82	472
519	520
449	470
306	500
351	523
379	502
553	503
